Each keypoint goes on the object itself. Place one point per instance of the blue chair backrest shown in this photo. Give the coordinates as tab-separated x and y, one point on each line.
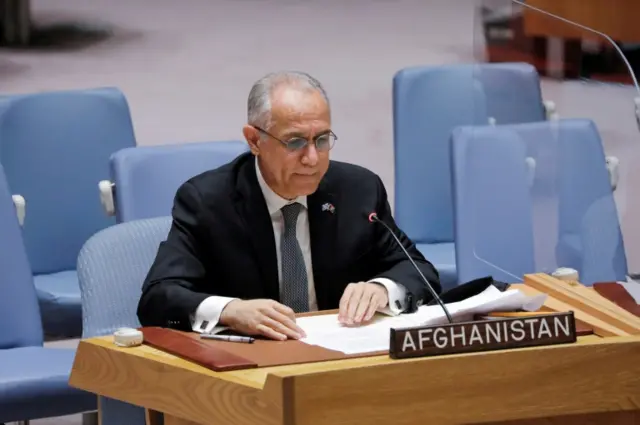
147	178
112	266
587	208
55	148
19	311
492	204
428	103
568	205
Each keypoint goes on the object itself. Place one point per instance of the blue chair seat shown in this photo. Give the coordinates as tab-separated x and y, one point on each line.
38	373
443	258
611	266
60	306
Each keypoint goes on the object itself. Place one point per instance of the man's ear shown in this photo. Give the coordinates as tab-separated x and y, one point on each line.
252	136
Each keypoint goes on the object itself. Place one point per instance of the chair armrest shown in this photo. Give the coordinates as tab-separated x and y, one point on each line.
550	110
106	197
21	206
612	168
531	170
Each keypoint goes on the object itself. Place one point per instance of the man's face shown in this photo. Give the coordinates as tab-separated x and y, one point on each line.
295	113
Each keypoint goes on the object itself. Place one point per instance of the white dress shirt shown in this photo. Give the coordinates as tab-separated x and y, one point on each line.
208	312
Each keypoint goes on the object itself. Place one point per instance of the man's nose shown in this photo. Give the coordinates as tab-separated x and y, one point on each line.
310	155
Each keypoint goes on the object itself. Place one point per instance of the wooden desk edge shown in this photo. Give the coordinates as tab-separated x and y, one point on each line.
113	372
240	377
146	381
269	390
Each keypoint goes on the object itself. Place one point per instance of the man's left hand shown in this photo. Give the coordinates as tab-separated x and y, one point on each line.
360	302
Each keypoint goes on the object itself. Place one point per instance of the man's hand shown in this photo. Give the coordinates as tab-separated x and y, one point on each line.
261	317
360	302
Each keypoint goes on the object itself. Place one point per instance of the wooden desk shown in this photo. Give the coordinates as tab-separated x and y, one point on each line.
555	47
594	381
616	18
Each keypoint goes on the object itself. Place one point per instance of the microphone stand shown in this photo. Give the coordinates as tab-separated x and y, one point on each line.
373	217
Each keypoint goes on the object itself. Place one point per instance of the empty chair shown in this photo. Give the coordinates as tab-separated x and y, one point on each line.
535	197
55	148
33	379
428	103
145	179
589	236
111	267
492	204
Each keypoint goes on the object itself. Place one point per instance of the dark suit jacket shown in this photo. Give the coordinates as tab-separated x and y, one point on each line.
221	243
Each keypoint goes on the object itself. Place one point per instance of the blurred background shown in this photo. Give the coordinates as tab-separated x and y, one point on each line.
186	67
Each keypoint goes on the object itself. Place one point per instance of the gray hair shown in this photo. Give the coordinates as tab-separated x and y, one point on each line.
259	104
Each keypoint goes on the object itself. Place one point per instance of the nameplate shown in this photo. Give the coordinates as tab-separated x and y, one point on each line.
484	335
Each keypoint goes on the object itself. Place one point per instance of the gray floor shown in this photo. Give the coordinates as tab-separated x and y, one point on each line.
186	68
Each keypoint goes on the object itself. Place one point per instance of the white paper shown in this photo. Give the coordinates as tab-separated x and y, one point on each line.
327	332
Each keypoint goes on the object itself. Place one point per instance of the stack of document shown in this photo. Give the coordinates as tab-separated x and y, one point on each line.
327	332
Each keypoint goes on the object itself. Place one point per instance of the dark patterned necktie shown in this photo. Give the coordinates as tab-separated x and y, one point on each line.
294	286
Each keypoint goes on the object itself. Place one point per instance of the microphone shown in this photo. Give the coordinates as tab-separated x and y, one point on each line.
373	218
636	101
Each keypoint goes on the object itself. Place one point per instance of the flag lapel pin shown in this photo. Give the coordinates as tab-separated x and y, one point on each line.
328	207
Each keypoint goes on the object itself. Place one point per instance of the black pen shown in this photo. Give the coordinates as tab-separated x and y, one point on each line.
229	338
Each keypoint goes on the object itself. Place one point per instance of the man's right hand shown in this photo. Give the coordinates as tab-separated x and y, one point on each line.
261	317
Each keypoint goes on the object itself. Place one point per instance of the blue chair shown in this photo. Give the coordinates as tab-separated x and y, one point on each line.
146	179
55	148
492	204
589	236
111	267
428	103
521	219
33	379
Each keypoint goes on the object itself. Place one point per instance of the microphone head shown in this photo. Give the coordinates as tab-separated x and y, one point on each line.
373	217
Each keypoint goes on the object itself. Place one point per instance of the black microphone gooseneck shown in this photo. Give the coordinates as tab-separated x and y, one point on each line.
373	218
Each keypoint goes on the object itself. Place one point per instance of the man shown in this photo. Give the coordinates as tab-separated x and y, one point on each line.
280	230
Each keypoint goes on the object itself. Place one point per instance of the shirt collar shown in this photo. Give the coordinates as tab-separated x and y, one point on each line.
274	201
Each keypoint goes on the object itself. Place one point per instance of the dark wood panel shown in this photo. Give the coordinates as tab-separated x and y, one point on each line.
616	18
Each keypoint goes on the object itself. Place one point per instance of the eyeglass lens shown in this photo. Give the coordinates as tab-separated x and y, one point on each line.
323	142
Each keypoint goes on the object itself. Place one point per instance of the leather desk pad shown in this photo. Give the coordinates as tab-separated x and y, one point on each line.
180	344
223	356
266	353
617	294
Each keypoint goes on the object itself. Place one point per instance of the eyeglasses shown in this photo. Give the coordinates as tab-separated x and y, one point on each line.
323	142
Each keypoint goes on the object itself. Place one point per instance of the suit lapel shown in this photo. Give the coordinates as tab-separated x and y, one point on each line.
252	208
323	218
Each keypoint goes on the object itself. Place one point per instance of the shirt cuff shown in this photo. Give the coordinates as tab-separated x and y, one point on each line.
208	314
397	295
